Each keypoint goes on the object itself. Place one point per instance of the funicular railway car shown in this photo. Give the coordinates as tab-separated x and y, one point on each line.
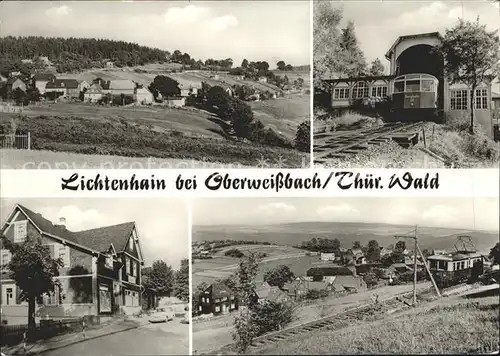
415	96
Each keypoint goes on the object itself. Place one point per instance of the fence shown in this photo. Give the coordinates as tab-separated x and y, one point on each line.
22	142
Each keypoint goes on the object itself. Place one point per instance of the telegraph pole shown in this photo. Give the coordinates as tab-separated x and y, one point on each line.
417	249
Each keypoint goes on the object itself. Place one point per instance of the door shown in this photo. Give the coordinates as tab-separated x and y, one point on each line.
104	299
8	294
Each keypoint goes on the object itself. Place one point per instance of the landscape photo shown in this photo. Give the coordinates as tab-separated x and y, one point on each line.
188	84
410	86
94	277
307	275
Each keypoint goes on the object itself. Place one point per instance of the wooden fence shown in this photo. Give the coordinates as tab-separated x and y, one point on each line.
22	142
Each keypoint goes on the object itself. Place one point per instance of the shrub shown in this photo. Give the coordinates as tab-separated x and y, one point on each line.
234	252
271	316
303	137
313	294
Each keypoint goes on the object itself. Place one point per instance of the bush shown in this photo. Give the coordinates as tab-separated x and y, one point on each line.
303	137
234	252
313	294
271	316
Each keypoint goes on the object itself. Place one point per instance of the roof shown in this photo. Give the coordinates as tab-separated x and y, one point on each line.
317	285
329	271
417	35
365	78
220	290
348	282
11	81
94	89
62	84
44	77
455	256
144	90
122	84
95	239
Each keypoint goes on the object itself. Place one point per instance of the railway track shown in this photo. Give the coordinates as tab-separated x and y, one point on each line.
342	144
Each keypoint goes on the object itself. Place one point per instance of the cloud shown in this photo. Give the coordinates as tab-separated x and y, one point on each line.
76	218
342	211
222	23
276	208
187	15
444	215
58	11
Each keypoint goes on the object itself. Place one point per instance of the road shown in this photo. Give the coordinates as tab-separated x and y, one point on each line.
170	338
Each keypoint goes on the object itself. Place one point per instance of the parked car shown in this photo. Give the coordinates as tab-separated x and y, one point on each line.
162	314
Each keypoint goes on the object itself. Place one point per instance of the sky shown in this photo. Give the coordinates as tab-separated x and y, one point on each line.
379	23
461	213
162	224
257	31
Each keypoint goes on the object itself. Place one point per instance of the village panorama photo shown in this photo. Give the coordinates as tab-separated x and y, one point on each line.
155	84
408	84
353	276
94	277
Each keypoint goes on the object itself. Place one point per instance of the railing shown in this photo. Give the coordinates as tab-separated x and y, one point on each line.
22	142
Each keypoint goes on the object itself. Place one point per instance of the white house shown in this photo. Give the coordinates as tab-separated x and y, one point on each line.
93	94
327	256
263	79
143	96
175	102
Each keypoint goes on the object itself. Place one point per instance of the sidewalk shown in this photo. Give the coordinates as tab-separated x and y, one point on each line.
57	342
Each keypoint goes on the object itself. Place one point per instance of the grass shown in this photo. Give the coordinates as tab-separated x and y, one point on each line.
349	120
459	328
120	137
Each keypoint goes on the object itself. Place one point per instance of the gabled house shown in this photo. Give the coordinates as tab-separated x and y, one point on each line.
266	292
143	96
297	288
67	88
40	80
217	298
93	94
83	85
263	79
327	273
101	272
16	83
348	284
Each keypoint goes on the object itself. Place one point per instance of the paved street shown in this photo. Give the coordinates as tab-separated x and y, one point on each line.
170	338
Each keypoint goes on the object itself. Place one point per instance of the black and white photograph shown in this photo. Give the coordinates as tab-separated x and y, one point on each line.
406	84
94	277
309	276
155	84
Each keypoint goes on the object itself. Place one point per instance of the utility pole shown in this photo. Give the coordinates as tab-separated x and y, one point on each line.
417	249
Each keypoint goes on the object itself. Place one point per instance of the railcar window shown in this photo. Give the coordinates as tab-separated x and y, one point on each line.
427	85
412	85
399	87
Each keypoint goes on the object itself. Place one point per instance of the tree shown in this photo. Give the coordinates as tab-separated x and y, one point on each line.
244	330
281	65
370	279
181	284
495	254
160	279
247	270
471	54
303	137
271	316
376	68
354	60
356	245
234	252
241	118
244	64
19	97
289	67
33	94
165	86
33	269
278	276
373	251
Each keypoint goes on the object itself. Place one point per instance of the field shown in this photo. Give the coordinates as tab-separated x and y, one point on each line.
293	234
223	266
446	326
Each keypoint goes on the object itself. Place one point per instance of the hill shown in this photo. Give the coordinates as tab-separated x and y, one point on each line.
293	234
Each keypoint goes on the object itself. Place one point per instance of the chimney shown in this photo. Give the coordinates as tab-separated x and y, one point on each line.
62	222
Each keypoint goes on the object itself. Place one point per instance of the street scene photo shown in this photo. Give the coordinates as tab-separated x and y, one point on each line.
412	85
94	277
155	84
309	276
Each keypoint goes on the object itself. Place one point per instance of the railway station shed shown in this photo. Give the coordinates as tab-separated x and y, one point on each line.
414	60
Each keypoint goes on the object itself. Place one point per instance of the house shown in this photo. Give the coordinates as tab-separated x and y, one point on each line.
238	77
45	61
16	83
122	86
67	88
414	55
188	91
110	65
83	85
297	288
263	79
105	85
40	80
175	102
218	298
345	283
26	61
93	94
495	101
327	272
143	96
101	274
327	256
14	74
266	292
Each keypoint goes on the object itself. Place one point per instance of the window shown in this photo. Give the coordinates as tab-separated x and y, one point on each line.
459	99
399	87
217	308
481	99
360	90
63	254
379	91
9	297
412	86
20	230
131	243
6	257
341	93
427	85
131	267
462	265
442	265
109	262
52	298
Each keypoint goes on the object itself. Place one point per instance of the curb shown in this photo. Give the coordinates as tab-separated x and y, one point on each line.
83	340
